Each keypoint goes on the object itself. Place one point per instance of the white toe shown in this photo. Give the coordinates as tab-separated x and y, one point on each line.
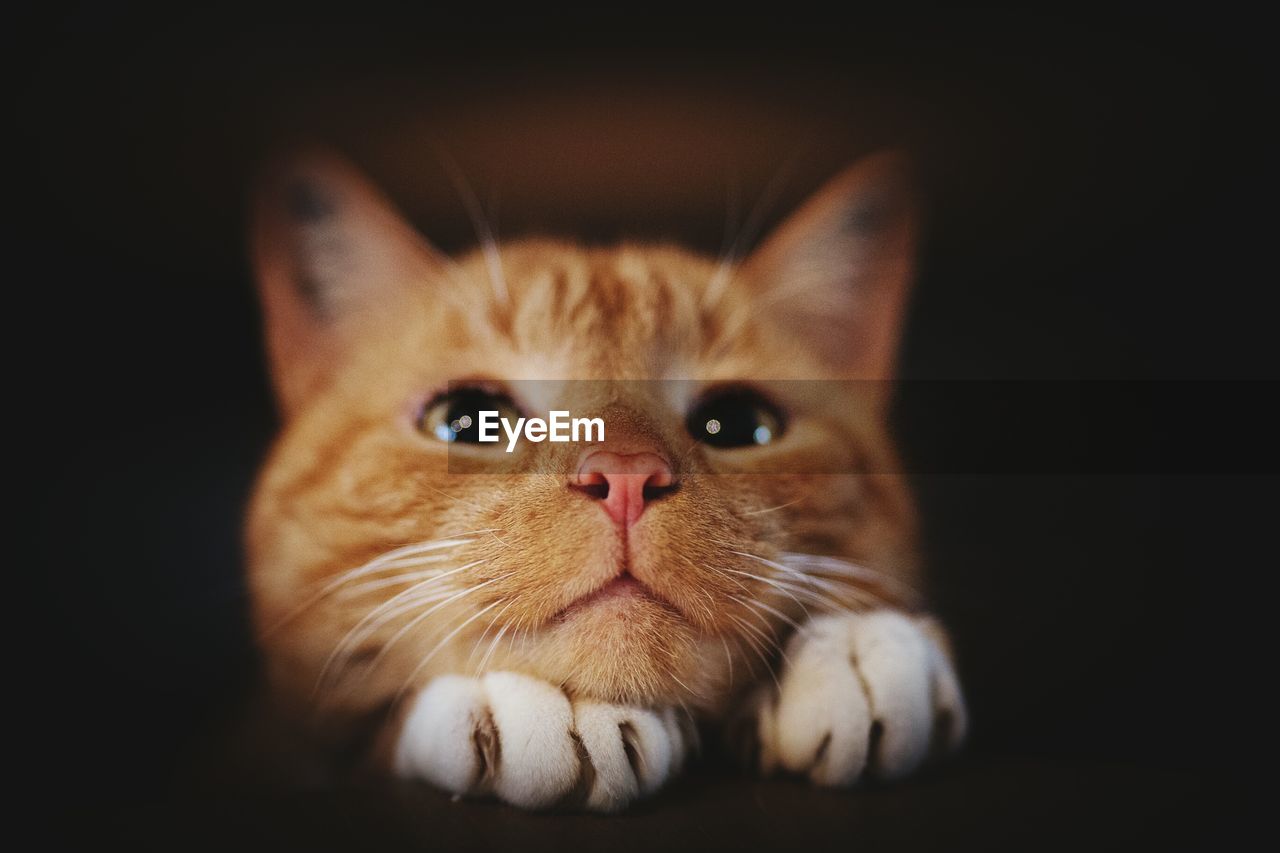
631	750
822	716
539	762
893	658
615	784
437	741
948	699
846	677
520	739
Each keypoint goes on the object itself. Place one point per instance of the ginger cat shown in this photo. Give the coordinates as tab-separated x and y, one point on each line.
546	626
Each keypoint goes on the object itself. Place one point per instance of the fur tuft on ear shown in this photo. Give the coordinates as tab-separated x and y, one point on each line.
837	272
329	253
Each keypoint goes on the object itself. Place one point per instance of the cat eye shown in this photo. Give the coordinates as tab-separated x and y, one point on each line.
454	415
735	417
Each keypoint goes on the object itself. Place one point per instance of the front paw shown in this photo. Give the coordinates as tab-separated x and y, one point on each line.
859	694
524	741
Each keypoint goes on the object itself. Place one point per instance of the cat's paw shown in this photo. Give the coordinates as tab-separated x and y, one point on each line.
524	741
859	694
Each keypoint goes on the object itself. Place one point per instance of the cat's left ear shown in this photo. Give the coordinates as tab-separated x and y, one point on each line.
837	272
332	257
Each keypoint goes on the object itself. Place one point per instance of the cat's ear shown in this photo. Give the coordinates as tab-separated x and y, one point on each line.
331	255
837	272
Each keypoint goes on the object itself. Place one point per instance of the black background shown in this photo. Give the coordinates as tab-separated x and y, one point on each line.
1102	219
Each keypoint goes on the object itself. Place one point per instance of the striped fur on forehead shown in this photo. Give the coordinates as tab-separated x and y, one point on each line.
632	299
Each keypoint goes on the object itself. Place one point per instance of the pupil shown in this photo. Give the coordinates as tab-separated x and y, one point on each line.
733	420
457	416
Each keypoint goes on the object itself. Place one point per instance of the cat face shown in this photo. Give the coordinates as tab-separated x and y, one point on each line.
658	566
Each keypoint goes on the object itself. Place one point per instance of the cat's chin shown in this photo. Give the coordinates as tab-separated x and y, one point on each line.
621	643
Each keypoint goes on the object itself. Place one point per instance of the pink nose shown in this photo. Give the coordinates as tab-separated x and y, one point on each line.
624	482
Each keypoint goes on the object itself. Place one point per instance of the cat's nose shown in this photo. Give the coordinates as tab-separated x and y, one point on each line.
624	483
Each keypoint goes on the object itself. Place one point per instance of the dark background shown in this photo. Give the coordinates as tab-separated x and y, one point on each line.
1098	520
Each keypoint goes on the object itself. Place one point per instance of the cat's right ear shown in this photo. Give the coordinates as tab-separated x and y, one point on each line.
331	254
836	273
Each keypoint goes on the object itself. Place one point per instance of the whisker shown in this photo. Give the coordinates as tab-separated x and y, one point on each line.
420	586
860	594
817	593
369	626
390	604
755	647
439	646
382	583
484	661
833	595
417	620
728	658
770	581
760	604
377	564
459	500
772	638
406	605
487	628
737	642
847	568
725	574
837	593
496	537
771	509
488	245
687	688
750	226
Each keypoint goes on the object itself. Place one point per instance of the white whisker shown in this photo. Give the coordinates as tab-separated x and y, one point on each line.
484	661
827	586
846	568
390	559
760	604
382	583
439	646
755	647
476	507
774	582
771	509
488	245
368	626
487	628
687	688
729	261
358	632
728	658
418	587
386	647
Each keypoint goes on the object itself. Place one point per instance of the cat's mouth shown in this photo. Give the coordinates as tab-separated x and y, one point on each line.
618	591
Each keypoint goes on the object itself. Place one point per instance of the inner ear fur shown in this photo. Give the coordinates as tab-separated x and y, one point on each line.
330	252
838	271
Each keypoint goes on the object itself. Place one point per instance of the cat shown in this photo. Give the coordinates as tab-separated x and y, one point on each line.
548	627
